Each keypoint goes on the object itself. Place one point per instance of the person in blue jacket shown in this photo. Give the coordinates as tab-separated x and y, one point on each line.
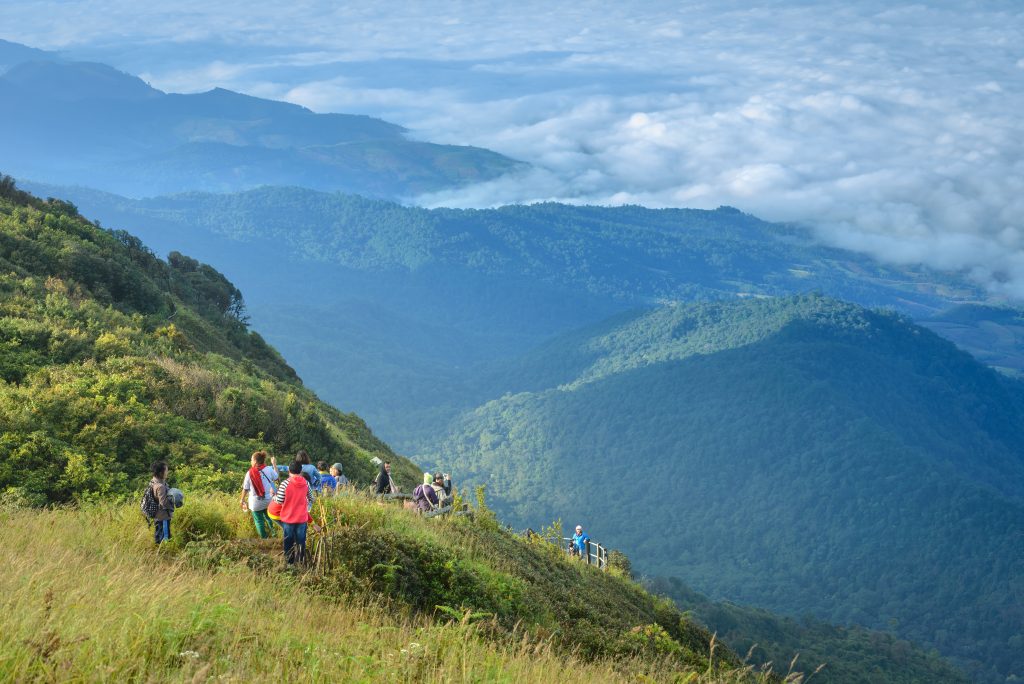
309	471
581	540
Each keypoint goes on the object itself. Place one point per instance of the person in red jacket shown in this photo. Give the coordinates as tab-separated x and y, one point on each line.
295	497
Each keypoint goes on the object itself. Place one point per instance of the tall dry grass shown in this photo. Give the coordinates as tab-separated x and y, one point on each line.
86	597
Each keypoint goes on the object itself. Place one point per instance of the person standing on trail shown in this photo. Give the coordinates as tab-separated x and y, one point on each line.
424	495
327	482
164	502
384	483
442	488
337	472
295	497
309	470
581	540
258	487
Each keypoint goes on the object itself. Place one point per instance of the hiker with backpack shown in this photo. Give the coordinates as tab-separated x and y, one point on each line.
158	503
424	496
295	497
258	487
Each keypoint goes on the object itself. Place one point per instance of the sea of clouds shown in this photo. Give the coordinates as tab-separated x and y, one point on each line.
892	128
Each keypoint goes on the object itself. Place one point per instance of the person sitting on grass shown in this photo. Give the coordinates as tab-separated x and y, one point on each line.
295	497
258	488
164	501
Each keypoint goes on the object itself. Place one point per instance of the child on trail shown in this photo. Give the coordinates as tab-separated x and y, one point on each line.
165	503
295	497
258	488
328	483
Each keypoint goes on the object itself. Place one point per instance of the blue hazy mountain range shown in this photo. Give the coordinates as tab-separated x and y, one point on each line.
401	310
90	124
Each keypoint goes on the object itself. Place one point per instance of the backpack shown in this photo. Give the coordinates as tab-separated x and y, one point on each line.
149	503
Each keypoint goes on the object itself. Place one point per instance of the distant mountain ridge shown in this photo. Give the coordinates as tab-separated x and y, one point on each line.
396	307
87	123
16	53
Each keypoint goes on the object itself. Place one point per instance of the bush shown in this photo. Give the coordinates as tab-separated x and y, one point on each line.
206	518
196	478
648	640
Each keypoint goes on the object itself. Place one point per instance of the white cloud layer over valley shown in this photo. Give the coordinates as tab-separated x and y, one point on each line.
894	128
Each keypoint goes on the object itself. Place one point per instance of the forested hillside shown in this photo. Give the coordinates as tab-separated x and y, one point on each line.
111	358
399	310
83	123
799	454
825	653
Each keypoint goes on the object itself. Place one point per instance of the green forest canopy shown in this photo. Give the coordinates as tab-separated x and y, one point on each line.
800	454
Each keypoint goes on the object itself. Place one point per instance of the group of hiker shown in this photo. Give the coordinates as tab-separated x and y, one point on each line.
288	502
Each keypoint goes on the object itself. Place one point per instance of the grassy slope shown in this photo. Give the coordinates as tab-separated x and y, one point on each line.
108	606
111	358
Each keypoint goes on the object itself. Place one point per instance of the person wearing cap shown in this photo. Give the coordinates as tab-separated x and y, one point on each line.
442	489
339	478
581	540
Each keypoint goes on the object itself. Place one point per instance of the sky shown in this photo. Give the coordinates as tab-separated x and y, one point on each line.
889	127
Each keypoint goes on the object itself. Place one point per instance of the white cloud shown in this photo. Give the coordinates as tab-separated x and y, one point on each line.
892	127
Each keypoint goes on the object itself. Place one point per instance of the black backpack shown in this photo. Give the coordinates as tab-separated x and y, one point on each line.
149	503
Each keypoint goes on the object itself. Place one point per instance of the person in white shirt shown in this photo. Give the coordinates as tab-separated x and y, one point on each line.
258	489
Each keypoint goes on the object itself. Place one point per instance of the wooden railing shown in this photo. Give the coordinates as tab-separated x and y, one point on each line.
463	510
596	554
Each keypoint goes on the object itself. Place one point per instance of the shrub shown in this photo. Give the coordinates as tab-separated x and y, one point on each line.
205	519
648	640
